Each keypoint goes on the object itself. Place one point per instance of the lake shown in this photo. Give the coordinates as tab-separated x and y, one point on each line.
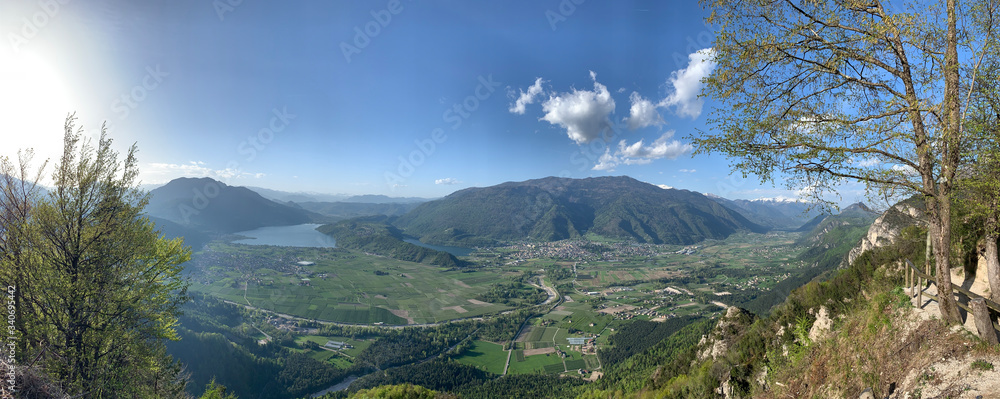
457	251
301	235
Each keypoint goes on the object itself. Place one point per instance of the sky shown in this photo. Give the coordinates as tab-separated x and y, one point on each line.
396	97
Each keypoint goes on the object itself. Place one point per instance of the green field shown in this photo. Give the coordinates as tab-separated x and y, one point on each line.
536	363
485	355
576	364
342	286
358	345
549	333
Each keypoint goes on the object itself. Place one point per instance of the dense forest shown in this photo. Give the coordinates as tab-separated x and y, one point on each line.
513	293
553	208
638	335
218	343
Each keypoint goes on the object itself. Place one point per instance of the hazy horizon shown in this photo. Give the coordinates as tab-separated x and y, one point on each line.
397	98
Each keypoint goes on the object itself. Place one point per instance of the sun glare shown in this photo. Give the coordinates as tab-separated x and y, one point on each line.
34	102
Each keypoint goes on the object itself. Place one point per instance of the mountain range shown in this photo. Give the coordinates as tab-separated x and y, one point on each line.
300	197
211	206
347	210
560	208
545	209
776	213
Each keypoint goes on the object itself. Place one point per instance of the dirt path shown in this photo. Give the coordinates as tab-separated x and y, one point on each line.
929	309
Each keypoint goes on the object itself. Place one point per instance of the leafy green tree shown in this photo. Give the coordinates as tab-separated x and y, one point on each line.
403	391
216	391
19	191
103	287
980	186
853	90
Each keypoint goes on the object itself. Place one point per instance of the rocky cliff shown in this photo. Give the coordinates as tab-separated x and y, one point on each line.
886	229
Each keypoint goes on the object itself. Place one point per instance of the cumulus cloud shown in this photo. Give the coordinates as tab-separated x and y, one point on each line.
642	113
687	170
687	84
639	153
526	97
159	173
664	186
447	181
905	169
583	113
866	162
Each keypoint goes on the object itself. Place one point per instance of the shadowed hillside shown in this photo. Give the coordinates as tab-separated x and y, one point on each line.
209	205
557	208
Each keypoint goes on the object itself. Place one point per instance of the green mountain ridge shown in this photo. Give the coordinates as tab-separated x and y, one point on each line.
553	208
208	205
777	214
374	235
356	209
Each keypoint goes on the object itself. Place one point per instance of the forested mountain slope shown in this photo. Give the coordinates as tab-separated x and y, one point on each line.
557	208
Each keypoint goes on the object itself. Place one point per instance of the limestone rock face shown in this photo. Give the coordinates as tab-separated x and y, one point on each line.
822	325
888	226
730	327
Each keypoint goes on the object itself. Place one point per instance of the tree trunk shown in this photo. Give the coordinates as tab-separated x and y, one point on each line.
939	204
940	222
993	266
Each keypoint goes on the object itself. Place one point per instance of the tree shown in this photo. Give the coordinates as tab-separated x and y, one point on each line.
826	92
980	186
18	192
216	391
105	287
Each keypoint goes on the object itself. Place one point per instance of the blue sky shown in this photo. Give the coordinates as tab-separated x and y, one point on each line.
404	98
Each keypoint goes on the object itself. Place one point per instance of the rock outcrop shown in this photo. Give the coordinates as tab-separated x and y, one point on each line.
730	327
821	327
885	230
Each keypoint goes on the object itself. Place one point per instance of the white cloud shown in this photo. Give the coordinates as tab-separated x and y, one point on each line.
780	198
584	114
866	162
447	181
687	170
159	173
905	169
642	113
606	162
526	98
687	84
664	186
639	153
808	191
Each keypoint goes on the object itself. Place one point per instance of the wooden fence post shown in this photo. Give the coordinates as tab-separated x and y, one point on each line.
983	322
920	292
906	279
